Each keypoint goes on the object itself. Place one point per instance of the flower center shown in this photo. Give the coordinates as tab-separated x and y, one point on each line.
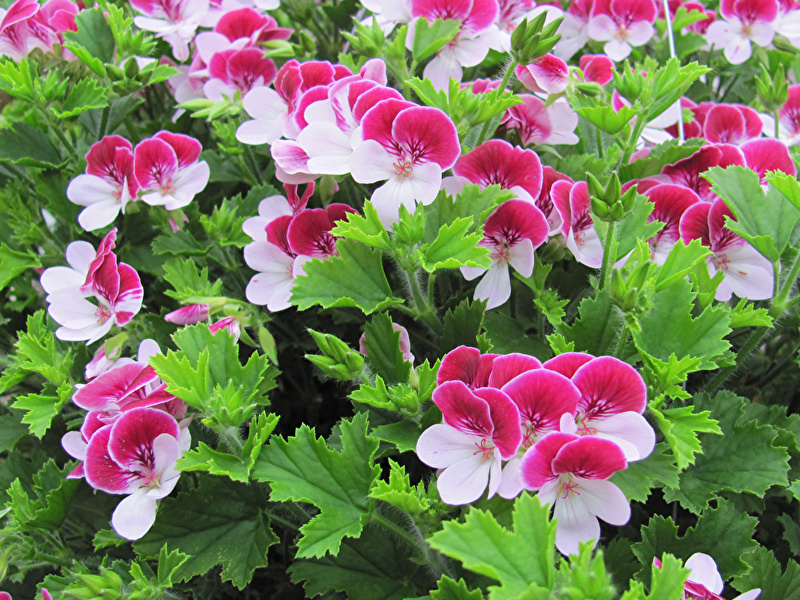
403	169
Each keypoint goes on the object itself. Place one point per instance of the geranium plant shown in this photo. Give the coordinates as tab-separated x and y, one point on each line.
448	299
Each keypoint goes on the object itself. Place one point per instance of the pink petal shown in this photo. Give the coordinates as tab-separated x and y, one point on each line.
131	441
542	396
187	149
506	367
102	472
112	387
463	410
467	365
498	162
694	224
568	363
537	463
505	418
768	155
428	134
155	162
609	386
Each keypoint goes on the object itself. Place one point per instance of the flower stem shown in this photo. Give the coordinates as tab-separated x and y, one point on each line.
608	260
779	305
503	84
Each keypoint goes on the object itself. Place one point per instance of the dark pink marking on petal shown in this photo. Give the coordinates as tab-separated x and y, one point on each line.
106	279
506	367
537	463
462	409
129	299
768	155
507	435
515	220
694	224
187	149
670	201
309	233
111	388
18	12
498	162
597	68
377	122
590	458
240	23
721	237
560	193
131	441
609	387
297	202
155	163
338	211
317	72
457	10
687	172
101	471
427	135
91	423
105	249
372	97
101	160
315	94
545	202
467	365
277	232
725	124
568	362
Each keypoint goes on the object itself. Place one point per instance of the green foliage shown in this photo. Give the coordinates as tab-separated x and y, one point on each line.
606	119
454	247
665	153
382	343
93	42
303	468
43	506
354	278
41	409
767	574
85	95
681	427
234	534
462	325
520	559
28	146
583	577
719	467
14	263
450	589
667	582
598	326
367	229
668	83
429	37
747	315
657	470
187	281
399	492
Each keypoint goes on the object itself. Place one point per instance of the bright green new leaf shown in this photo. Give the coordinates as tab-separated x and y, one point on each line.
719	467
367	229
354	278
85	95
188	282
13	263
518	558
747	315
382	343
663	154
377	395
767	574
168	564
657	470
670	376
455	247
701	337
681	259
471	201
766	221
40	410
606	118
785	185
669	83
462	325
429	37
597	328
584	575
429	95
94	34
450	589
633	227
723	532
302	468
681	427
370	567
45	504
205	458
667	581
399	492
234	534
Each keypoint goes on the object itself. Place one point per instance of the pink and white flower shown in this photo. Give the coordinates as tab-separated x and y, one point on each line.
480	429
670	202
537	124
168	171
547	74
573	204
175	21
574	29
240	71
276	263
622	24
743	22
746	272
467	365
408	146
511	233
116	289
16	40
732	124
704	581
108	184
571	473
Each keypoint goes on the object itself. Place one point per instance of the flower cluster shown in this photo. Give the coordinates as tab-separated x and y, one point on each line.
163	170
286	235
26	25
130	439
116	288
562	428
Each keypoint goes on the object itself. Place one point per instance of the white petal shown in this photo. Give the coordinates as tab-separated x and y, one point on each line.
604	500
328	149
426	180
370	162
629	427
511	483
135	515
704	571
576	524
99	214
57	279
495	287
441	445
520	256
88	189
465	481
80	255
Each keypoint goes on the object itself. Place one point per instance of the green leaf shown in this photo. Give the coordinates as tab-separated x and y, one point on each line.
681	259
670	375
367	229
585	575
372	566
181	243
46	505
93	34
403	434
303	468
506	335
29	147
399	492
182	274
40	410
471	201
701	337
722	532
519	559
663	154
668	582
747	315
767	574
85	95
429	37
11	431
14	263
719	467
633	227
450	589
354	278
382	342
377	395
233	533
681	427
454	247
670	82
462	325
606	118
39	352
657	470
168	564
598	326
205	458
766	221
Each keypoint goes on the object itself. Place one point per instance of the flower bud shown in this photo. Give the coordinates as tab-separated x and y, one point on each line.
188	315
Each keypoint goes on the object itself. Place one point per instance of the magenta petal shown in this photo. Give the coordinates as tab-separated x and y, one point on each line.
463	410
428	135
609	386
568	362
371	98
542	396
498	162
187	149
466	364
154	162
241	23
515	220
720	236
128	301
101	471
537	463
101	158
768	155
725	123
19	11
109	389
694	224
131	441
508	366
507	435
590	457
597	68
377	122
308	233
670	201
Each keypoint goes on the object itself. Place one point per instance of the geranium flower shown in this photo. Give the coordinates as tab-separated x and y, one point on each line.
622	24
573	203
742	23
536	124
480	429
571	473
467	365
732	124
175	21
511	233
670	202
704	581
108	184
